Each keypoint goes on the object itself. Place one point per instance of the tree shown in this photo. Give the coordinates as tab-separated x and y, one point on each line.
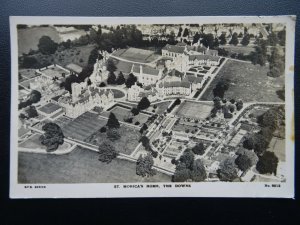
250	154
67	44
199	149
185	32
103	129
234	39
107	152
227	170
145	141
239	105
276	64
111	78
196	38
31	112
102	84
85	73
281	37
220	88
113	134
69	81
222	38
246	40
187	158
30	62
181	175
260	54
267	163
269	119
216	43
53	136
198	172
120	79
46	45
93	56
272	39
243	162
179	32
112	121
144	166
130	80
110	65
143	104
135	111
208	40
177	101
35	96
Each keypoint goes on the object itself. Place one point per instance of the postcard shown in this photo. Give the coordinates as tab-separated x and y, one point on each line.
152	107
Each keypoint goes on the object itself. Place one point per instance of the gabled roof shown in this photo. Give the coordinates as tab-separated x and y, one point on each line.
194	79
176	73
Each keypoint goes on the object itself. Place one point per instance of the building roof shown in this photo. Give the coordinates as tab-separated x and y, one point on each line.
145	70
74	67
175	84
194	79
204	57
174	48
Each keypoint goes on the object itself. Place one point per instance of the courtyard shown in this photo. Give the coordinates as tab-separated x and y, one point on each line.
194	110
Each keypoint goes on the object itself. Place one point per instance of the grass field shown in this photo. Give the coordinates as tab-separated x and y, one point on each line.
79	166
121	112
246	50
161	107
277	146
247	82
29	38
126	144
83	126
195	110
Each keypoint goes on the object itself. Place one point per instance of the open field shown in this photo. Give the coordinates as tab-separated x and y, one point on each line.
121	112
195	110
79	166
277	145
126	144
247	82
83	126
29	38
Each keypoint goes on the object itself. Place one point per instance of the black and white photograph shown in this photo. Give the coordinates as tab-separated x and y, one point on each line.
183	106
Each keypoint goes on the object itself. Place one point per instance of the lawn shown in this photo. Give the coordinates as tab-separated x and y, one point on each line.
29	38
79	166
126	144
277	145
246	50
49	108
195	110
83	126
247	82
121	112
